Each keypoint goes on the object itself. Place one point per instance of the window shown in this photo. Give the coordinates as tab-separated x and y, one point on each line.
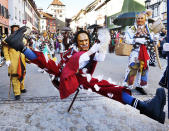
2	10
23	18
15	13
19	16
164	7
26	16
112	19
6	13
158	11
155	11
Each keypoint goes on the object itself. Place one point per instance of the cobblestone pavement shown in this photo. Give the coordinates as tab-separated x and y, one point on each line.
41	109
89	113
81	97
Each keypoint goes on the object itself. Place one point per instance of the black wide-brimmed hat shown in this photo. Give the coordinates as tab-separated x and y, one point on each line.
15	39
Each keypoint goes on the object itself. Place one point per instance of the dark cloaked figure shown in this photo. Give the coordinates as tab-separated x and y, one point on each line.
163	39
66	40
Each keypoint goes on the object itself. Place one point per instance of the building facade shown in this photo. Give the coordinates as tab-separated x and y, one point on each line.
23	12
32	16
159	9
42	21
4	17
16	12
47	23
43	25
99	10
57	9
83	18
103	12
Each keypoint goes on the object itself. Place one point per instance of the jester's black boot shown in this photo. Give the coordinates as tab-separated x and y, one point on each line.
153	108
15	40
164	80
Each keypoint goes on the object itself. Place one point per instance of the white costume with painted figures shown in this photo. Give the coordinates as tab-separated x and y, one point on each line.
143	44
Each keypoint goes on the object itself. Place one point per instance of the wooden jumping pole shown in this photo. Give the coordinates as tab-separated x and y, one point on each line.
157	56
73	100
9	92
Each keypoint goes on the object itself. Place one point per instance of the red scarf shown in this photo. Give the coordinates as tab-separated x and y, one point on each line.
143	55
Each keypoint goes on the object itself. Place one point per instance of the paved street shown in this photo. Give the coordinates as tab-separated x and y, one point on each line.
41	108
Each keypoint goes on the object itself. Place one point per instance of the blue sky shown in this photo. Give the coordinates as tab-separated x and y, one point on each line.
72	6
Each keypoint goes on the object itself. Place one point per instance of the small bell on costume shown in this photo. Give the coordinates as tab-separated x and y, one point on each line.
141	66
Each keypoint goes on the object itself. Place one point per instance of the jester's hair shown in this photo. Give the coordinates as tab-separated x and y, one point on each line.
77	34
147	13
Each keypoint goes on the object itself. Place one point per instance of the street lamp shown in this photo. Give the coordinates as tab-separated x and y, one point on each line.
147	3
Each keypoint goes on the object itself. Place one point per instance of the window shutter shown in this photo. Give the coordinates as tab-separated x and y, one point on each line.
0	9
3	11
7	13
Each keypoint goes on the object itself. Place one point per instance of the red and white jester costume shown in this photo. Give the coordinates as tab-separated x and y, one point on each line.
71	76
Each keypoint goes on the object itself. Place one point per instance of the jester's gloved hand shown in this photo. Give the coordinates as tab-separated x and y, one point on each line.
15	40
140	40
